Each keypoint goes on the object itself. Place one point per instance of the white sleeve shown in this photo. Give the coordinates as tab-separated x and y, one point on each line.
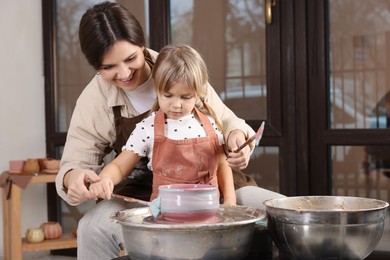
139	140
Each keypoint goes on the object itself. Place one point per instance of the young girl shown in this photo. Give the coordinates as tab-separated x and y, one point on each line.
183	144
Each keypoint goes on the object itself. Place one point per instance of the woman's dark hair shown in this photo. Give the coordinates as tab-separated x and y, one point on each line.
104	24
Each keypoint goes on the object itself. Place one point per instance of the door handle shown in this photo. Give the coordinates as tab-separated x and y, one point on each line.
268	10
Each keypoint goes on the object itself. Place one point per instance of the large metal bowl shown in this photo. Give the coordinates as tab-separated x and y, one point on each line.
326	227
228	238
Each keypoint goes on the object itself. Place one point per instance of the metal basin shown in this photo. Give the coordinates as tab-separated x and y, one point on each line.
326	227
229	236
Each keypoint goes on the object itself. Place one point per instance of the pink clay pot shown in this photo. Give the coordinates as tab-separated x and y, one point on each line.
188	202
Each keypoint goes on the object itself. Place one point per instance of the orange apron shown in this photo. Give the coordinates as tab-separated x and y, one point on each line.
184	161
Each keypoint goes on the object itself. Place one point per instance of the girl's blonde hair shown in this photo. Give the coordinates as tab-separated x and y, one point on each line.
180	62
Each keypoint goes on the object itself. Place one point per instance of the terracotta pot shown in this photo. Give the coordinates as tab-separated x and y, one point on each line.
16	166
49	165
51	230
34	235
31	166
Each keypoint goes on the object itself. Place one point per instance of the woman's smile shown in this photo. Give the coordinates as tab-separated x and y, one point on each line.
127	80
124	65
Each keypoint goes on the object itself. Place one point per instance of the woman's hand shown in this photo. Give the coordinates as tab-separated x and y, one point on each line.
237	160
77	182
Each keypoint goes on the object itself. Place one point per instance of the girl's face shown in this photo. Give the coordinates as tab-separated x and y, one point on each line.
124	65
178	101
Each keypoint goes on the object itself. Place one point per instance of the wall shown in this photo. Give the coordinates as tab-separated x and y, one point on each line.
22	115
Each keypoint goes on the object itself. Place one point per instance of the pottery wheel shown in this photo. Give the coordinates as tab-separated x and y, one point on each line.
226	216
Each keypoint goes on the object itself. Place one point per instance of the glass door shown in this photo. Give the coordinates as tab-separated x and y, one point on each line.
348	92
359	98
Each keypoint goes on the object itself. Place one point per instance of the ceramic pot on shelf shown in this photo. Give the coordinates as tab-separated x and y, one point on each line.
34	235
31	166
51	230
49	165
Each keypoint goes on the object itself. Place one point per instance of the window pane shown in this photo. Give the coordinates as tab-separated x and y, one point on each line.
230	35
73	72
264	167
359	42
363	171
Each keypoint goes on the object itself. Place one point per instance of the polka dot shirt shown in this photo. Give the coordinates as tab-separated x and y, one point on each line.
141	140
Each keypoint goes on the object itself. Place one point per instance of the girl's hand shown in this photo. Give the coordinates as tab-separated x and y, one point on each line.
102	189
237	160
228	202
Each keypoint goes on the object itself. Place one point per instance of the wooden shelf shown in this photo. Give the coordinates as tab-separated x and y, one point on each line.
38	177
14	244
43	178
64	242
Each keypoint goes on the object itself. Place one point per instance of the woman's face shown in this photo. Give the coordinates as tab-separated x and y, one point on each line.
124	65
178	101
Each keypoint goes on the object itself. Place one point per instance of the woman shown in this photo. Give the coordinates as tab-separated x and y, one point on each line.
118	97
